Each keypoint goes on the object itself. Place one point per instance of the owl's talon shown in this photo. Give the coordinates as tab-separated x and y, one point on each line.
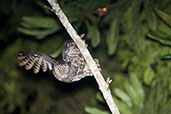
98	65
108	81
82	35
90	73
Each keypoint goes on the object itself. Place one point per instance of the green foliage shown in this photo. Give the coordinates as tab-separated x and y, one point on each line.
91	110
123	96
148	75
131	99
142	58
166	17
57	52
113	37
93	34
168	56
163	40
38	27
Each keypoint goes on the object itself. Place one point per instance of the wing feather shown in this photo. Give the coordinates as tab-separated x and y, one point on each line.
35	61
30	63
44	65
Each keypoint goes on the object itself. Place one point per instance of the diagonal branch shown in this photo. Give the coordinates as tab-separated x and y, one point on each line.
103	86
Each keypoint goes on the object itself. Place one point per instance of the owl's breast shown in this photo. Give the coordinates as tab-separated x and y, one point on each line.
64	76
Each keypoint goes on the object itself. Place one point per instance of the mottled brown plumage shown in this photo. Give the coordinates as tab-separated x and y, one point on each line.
73	69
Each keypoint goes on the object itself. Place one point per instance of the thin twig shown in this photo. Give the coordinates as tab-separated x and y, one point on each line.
103	86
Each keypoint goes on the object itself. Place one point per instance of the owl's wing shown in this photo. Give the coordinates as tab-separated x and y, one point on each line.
36	61
70	51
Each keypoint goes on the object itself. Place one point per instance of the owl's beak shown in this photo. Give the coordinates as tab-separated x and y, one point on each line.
62	71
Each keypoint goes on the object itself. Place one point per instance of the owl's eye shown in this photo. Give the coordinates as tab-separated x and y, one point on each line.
58	68
64	68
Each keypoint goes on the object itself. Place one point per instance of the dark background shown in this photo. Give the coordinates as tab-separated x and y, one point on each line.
132	41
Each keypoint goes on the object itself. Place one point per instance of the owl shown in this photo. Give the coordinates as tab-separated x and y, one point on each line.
73	68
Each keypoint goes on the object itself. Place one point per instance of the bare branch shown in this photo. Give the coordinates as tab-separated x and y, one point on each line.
103	86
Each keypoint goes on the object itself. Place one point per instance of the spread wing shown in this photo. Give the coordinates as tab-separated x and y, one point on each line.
36	61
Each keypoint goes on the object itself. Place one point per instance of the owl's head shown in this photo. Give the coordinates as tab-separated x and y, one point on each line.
61	70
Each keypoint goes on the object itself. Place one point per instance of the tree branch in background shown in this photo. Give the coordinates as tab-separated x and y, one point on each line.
103	85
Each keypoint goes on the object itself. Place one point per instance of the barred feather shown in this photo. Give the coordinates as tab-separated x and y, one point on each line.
44	65
35	61
30	63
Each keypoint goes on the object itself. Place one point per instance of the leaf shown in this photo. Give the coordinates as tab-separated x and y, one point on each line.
113	37
166	17
39	22
38	27
164	28
132	93
93	34
123	96
168	57
94	19
99	97
127	19
150	16
161	39
137	86
91	110
123	107
58	51
148	75
39	34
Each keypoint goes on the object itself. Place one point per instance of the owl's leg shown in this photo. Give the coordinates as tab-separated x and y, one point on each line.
98	66
82	36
